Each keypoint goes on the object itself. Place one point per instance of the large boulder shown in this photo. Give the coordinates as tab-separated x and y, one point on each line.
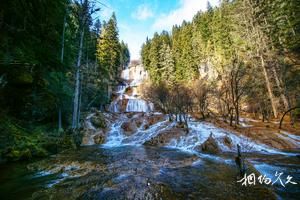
153	119
209	146
98	120
227	141
138	119
123	104
129	127
164	137
99	139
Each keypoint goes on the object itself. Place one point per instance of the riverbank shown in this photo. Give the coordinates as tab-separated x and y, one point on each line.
21	141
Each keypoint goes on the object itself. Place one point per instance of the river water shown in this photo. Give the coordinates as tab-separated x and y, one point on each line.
124	168
141	172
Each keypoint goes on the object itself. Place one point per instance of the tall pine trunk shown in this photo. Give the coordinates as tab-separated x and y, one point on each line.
281	90
62	61
77	84
269	87
59	119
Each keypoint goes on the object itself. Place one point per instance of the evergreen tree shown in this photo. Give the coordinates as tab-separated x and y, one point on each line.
108	50
125	55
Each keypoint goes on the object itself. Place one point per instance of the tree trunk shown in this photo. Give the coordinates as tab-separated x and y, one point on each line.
77	84
62	61
59	119
282	94
231	116
79	104
269	88
237	114
289	110
63	39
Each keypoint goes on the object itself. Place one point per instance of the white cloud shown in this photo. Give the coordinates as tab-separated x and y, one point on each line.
186	11
143	12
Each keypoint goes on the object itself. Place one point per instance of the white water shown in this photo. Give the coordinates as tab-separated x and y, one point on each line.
137	105
91	133
133	77
199	132
125	74
117	138
115	135
294	139
142	136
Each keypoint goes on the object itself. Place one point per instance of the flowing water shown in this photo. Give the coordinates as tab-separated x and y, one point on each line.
141	172
132	77
124	168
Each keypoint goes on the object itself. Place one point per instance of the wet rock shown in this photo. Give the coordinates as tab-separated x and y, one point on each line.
98	120
209	146
99	138
129	91
227	141
93	110
87	134
129	127
146	126
123	104
138	119
277	143
153	119
180	125
165	137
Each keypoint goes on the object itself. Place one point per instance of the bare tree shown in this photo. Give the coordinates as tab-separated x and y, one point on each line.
160	95
234	85
201	92
182	102
258	43
84	13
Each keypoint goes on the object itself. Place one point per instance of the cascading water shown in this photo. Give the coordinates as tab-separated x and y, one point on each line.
133	77
115	136
199	132
137	105
125	74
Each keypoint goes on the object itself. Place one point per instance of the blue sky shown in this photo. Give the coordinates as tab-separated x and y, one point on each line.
138	19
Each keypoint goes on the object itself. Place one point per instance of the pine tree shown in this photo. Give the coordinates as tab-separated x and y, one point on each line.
108	50
124	55
168	66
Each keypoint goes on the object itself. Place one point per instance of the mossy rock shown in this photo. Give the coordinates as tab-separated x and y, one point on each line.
24	78
14	155
39	151
99	139
19	143
98	120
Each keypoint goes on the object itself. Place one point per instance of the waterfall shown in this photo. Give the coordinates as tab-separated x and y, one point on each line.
114	107
115	135
125	74
137	105
121	89
133	77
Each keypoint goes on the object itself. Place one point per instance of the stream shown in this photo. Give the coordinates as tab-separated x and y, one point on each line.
142	172
124	168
